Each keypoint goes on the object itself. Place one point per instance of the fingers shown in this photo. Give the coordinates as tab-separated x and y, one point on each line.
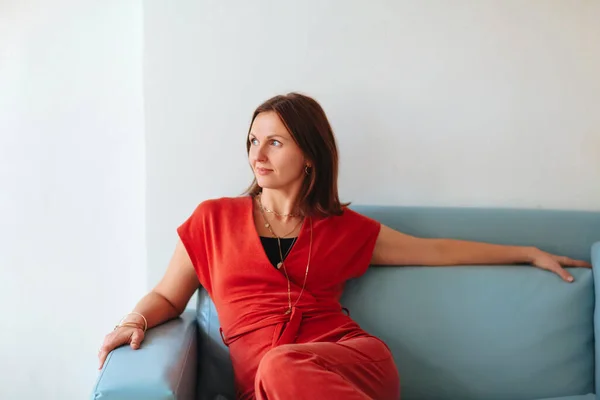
555	264
111	342
564	274
136	339
102	354
572	263
579	263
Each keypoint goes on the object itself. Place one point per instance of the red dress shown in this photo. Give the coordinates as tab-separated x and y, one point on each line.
317	350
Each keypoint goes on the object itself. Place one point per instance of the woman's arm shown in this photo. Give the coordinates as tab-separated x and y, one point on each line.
166	301
396	248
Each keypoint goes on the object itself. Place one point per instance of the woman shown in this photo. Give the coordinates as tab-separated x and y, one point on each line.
274	262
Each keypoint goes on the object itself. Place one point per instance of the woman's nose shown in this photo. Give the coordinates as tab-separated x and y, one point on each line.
261	154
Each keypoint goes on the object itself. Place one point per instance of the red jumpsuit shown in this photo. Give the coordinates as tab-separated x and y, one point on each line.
315	352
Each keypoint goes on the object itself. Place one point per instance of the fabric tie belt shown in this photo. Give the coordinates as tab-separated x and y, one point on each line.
285	331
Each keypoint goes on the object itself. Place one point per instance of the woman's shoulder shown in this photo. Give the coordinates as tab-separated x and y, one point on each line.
349	218
350	214
220	205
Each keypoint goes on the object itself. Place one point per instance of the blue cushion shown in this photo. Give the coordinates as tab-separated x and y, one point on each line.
596	265
485	332
215	372
163	368
569	233
501	332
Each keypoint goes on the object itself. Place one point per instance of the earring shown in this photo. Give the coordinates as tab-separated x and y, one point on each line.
306	170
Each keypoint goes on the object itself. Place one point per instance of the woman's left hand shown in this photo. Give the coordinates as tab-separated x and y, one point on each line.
554	263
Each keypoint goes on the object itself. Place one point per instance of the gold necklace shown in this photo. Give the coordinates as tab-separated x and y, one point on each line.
281	257
268	224
282	264
271	211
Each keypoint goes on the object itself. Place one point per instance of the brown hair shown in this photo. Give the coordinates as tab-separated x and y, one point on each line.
306	121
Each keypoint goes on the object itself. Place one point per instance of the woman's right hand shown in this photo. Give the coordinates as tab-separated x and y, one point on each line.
119	337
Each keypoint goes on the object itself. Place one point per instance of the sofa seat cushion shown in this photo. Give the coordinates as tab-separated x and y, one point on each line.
466	332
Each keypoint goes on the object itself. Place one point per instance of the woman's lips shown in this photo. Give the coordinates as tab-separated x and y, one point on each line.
263	171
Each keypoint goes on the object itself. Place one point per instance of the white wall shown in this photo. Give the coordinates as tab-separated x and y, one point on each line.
72	232
464	104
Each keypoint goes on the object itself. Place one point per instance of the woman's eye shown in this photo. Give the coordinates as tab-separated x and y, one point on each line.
276	143
254	141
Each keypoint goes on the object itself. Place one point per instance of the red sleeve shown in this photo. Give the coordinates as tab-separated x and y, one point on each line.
195	240
362	234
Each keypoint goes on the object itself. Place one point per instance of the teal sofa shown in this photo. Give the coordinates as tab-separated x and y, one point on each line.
506	332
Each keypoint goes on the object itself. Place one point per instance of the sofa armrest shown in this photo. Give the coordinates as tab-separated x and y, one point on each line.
164	367
596	272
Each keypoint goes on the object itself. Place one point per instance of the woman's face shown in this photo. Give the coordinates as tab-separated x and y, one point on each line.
275	158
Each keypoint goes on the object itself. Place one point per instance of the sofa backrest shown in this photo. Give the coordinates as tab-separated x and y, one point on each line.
494	332
570	233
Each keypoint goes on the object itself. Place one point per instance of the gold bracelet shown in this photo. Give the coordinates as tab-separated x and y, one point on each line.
130	324
145	321
136	313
